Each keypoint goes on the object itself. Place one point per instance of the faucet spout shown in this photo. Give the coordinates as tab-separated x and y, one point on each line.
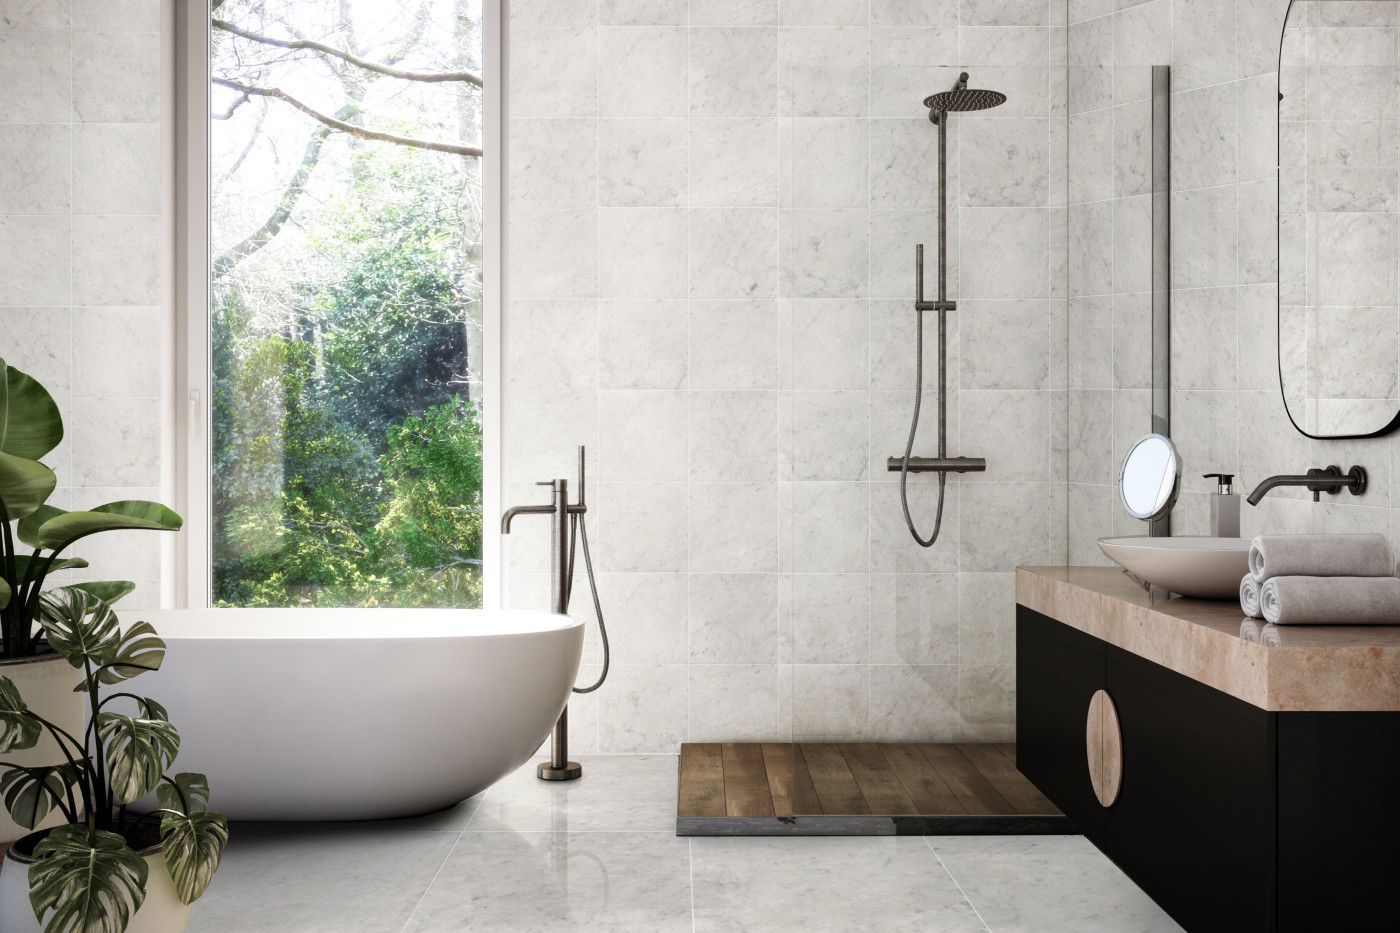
1331	481
523	510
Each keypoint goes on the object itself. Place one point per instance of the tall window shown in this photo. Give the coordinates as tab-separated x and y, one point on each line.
346	230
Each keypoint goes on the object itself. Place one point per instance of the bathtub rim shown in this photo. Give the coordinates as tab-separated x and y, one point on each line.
349	624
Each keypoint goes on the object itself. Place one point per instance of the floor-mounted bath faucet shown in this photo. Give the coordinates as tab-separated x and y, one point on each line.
559	767
1331	481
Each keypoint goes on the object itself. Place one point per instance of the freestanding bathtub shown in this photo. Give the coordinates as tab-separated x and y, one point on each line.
356	714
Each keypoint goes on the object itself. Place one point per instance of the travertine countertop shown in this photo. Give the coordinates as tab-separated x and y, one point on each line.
1288	668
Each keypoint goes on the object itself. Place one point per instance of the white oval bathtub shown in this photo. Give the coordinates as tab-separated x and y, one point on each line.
355	714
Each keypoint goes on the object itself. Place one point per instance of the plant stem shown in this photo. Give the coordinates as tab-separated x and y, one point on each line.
101	792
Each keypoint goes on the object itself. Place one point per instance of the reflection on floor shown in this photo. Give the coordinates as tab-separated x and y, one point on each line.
601	854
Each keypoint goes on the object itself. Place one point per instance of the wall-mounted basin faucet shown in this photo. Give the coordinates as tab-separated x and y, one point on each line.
1331	481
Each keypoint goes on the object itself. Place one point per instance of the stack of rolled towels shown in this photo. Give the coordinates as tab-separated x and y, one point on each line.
1321	580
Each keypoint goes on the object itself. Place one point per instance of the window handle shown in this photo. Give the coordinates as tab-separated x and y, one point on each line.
194	413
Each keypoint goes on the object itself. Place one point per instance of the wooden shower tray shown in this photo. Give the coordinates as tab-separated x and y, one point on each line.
736	789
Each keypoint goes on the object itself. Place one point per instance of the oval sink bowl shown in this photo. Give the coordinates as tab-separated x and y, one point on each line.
1201	567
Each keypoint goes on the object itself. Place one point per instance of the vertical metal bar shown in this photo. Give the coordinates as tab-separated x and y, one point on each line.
942	288
559	598
1161	265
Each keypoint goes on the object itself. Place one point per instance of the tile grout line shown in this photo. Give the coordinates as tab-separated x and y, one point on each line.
928	841
431	881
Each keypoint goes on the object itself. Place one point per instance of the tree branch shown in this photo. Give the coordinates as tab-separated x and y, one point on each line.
232	108
427	76
350	128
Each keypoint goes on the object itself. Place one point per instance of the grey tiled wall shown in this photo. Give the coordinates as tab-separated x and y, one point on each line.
1227	410
80	240
713	208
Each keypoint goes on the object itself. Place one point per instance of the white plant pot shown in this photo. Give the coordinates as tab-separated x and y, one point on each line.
161	912
46	685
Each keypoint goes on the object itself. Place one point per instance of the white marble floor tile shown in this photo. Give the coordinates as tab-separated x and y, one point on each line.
616	794
825	885
1047	884
319	878
584	882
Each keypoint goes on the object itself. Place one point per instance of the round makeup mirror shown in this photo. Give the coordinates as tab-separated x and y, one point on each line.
1150	478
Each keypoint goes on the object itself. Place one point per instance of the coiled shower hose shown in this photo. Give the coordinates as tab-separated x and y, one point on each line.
914	425
577	529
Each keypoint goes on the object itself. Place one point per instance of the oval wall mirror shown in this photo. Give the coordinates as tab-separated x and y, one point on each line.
1150	478
1339	218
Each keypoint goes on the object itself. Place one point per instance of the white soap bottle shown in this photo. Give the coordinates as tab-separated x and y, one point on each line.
1224	507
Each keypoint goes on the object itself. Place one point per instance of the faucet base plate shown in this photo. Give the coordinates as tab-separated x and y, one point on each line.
571	771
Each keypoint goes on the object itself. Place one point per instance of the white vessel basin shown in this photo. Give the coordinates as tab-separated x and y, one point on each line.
1202	567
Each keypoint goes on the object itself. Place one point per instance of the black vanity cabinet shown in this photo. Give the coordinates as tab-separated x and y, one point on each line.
1234	819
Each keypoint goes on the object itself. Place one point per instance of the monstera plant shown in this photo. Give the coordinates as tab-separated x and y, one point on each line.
30	428
87	875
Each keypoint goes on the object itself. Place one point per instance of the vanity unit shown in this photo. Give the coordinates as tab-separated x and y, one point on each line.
1247	777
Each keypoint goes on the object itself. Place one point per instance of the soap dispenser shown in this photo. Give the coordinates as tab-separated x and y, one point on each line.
1224	507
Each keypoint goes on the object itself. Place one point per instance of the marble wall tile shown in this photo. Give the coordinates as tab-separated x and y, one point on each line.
643	527
35	15
734	12
36	260
115	77
644	616
552	344
1001	525
824	254
830	344
642	344
1360	248
1204	353
830	527
904	164
831	617
642	252
1002	13
543	431
1090	359
1092	455
1256	102
1003	344
734	437
1132	149
905	69
1205	426
36	77
1008	428
568	85
987	702
130	334
1001	232
830	434
642	436
1204	137
733	618
987	618
830	702
553	254
637	73
892	550
39	341
1090	270
1142	37
824	73
1132	244
35	164
644	708
734	162
914	618
825	163
1091	156
718	361
642	12
913	12
1132	341
1257	26
733	253
641	162
824	13
737	703
893	237
1204	247
116	442
733	527
1090	65
116	260
116	168
733	72
915	702
893	358
1205	45
1004	163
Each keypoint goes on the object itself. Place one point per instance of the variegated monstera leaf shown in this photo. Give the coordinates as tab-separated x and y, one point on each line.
137	751
79	626
86	888
194	837
30	793
18	730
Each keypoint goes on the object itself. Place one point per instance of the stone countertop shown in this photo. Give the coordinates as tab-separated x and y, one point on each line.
1281	668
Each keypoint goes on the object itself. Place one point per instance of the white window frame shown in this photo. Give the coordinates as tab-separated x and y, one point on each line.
186	568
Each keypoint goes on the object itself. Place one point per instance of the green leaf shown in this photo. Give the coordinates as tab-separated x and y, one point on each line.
89	888
4	594
30	793
109	591
193	844
28	530
196	793
24	485
30	425
68	563
57	533
137	751
78	626
139	650
17	730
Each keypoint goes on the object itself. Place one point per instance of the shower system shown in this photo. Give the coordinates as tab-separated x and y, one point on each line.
960	99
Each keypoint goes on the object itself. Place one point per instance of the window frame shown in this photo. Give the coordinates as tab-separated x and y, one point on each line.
186	569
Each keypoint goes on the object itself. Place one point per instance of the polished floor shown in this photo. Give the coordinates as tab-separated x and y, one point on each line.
601	854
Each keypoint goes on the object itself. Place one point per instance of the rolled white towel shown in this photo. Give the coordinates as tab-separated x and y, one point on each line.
1331	600
1249	597
1366	555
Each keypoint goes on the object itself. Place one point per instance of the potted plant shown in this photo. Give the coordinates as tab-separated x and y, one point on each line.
30	428
103	869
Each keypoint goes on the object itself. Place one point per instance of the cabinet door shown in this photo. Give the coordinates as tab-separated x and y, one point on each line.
1058	670
1194	821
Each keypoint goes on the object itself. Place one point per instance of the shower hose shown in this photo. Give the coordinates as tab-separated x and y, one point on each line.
577	530
914	427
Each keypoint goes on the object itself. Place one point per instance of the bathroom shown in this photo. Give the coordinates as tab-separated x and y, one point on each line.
687	287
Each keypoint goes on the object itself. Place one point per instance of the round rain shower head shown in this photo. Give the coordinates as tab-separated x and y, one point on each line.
961	100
